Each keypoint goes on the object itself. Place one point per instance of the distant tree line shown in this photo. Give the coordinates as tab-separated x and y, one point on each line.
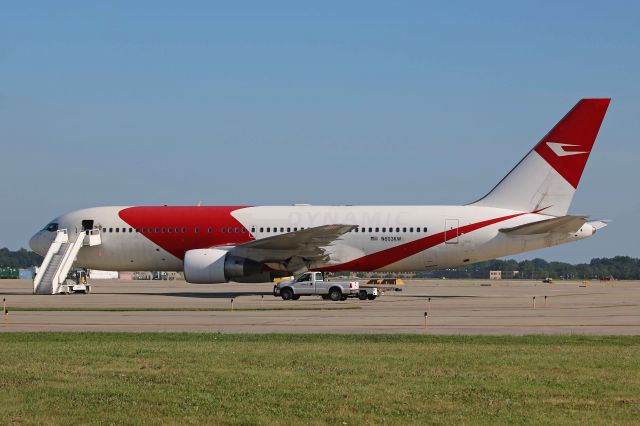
618	267
19	259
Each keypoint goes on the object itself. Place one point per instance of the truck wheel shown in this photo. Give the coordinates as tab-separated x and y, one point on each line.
362	295
275	287
286	294
295	297
335	294
371	297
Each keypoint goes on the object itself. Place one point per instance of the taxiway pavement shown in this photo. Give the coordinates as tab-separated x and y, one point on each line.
453	307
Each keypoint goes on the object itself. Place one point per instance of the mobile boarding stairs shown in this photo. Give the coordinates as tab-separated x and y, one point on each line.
59	260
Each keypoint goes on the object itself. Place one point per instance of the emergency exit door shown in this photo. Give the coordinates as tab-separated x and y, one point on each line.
451	231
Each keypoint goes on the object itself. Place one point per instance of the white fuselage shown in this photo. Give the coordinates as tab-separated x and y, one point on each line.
388	238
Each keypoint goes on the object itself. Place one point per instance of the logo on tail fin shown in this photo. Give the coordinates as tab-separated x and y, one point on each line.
558	149
573	135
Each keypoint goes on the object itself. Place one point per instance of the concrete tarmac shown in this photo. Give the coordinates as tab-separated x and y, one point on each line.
453	306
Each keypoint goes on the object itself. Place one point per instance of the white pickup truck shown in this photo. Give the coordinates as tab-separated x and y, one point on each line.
313	283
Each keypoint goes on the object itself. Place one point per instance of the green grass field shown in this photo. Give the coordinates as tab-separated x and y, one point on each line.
80	378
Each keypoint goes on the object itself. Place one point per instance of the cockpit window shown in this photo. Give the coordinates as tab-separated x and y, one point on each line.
52	227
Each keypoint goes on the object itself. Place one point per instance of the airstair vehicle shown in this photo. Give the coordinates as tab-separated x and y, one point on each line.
59	260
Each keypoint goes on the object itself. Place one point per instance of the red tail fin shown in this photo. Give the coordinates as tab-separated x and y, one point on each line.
567	146
547	177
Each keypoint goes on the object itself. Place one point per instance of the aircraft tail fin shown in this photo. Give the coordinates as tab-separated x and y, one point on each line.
546	179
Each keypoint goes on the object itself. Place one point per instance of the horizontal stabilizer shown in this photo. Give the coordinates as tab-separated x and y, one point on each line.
597	224
557	224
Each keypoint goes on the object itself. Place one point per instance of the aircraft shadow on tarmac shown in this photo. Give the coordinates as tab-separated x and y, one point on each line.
232	295
439	296
202	295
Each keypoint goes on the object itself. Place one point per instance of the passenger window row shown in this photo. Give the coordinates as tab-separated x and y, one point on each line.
391	229
275	229
268	229
124	230
358	229
165	230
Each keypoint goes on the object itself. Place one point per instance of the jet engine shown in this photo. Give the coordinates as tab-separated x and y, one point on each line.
214	266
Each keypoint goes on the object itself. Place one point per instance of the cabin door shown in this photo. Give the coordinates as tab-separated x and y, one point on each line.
451	231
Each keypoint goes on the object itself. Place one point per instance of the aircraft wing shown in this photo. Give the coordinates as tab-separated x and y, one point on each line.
557	224
294	249
309	238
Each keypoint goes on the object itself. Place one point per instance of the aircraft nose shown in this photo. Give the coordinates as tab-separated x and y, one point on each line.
37	244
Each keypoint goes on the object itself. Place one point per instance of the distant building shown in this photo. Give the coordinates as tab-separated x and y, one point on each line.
503	275
125	276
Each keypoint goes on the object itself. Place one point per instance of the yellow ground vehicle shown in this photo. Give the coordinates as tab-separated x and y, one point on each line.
77	282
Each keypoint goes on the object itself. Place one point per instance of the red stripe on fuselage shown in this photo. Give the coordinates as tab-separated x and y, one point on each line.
395	254
216	218
189	218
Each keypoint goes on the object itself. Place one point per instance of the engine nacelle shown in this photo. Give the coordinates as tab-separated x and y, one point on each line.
214	266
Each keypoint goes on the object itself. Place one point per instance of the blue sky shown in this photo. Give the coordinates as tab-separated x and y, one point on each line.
124	103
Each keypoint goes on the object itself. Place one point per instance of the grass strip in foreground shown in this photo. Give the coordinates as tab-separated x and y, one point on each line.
151	378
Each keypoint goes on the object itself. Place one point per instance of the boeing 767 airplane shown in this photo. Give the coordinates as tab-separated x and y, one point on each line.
526	210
